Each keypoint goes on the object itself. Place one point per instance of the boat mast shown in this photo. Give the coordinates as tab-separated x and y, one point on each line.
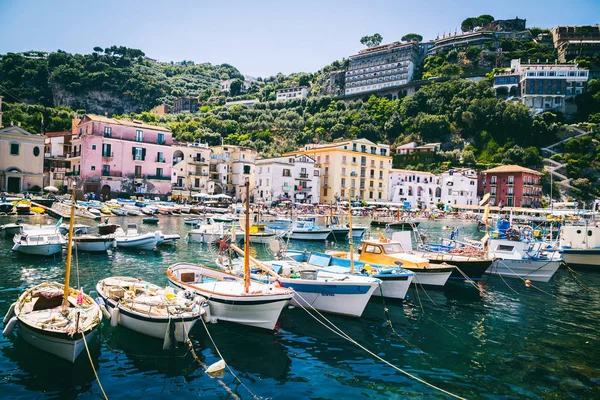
247	241
65	303
350	234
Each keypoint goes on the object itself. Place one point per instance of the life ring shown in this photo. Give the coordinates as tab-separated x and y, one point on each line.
512	233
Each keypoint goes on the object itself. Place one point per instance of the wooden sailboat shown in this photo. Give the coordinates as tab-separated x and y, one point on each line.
55	317
230	297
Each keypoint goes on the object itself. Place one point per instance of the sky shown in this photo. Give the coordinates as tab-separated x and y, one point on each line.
260	37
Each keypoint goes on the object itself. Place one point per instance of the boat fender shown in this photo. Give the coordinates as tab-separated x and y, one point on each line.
206	314
8	328
114	317
527	283
9	313
216	367
102	305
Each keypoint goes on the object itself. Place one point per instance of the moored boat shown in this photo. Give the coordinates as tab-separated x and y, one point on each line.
580	245
41	242
132	239
94	243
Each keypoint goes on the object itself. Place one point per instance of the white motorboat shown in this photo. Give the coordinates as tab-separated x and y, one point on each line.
132	239
208	232
261	234
55	317
305	229
10	230
192	221
41	242
580	245
337	293
523	259
94	243
259	306
168	239
149	210
186	209
78	229
149	309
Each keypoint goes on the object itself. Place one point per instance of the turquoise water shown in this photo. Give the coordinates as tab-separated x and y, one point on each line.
498	344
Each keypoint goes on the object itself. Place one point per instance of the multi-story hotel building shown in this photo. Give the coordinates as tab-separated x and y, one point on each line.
358	166
291	93
381	67
419	189
295	178
230	168
56	165
513	186
110	156
459	186
190	172
542	87
573	42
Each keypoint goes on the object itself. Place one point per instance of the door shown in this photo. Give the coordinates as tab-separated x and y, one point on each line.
14	184
105	192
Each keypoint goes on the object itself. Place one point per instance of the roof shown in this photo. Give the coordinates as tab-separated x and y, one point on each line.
511	168
58	134
123	122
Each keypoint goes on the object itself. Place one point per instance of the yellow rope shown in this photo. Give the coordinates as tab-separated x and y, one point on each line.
574	276
333	328
92	364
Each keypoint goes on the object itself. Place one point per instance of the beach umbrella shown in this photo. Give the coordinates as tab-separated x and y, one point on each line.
221	196
52	189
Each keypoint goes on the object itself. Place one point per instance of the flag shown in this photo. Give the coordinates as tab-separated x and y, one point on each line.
486	214
59	222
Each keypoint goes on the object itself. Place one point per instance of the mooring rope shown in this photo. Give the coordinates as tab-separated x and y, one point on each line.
578	281
530	283
92	364
333	328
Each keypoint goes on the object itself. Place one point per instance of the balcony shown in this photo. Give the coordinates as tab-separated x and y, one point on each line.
352	173
72	173
303	176
303	188
112	173
198	160
108	155
160	159
159	178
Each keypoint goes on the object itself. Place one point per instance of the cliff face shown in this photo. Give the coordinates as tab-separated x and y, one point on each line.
94	101
330	84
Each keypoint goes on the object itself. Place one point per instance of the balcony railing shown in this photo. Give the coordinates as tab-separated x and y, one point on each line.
159	177
352	173
160	159
72	173
108	155
304	176
112	173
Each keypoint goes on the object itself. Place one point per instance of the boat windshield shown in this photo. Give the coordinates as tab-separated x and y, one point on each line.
393	248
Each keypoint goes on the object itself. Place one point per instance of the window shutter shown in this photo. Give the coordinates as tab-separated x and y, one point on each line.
133	152
143	154
108	148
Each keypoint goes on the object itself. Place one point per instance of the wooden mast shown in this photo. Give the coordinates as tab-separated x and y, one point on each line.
65	303
247	241
350	234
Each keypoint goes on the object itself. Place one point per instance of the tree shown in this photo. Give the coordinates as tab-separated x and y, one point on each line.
371	41
98	49
410	37
433	127
235	89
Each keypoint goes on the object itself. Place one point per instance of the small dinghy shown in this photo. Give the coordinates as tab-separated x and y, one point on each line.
94	243
150	220
132	239
149	309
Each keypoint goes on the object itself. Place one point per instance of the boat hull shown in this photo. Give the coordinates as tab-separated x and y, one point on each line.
393	286
585	258
39	250
474	269
431	277
94	246
261	239
309	235
534	270
60	345
145	243
203	237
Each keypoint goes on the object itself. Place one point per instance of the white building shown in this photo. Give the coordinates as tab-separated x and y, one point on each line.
459	186
291	93
420	189
226	85
190	172
293	178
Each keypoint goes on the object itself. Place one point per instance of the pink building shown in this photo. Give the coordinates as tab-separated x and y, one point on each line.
115	156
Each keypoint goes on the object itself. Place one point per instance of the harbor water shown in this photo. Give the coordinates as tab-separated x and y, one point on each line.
508	341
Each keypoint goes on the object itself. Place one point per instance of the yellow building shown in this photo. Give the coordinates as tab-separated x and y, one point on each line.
359	166
21	160
230	168
190	170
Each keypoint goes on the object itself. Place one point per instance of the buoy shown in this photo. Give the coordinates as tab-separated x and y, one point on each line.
206	315
8	328
114	316
9	313
527	283
216	367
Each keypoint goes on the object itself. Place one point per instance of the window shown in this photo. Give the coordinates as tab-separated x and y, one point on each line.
139	136
139	153
138	171
343	170
107	131
246	170
36	151
106	170
161	138
372	249
93	147
159	172
286	172
381	164
106	150
93	167
343	159
511	180
14	149
343	182
327	158
494	180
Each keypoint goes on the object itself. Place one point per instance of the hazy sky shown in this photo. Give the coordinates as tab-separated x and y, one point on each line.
258	37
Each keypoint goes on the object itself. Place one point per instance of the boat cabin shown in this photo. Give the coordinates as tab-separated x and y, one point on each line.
388	252
580	237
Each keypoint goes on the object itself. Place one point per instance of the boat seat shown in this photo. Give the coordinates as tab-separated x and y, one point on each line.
45	302
188	277
319	260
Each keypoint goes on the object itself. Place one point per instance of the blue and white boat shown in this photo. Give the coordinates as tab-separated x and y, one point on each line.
305	229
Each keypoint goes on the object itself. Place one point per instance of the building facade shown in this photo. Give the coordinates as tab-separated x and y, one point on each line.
381	67
357	167
21	160
114	156
459	186
185	104
294	178
56	166
417	188
413	153
572	42
513	186
230	168
161	109
542	87
190	171
291	93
